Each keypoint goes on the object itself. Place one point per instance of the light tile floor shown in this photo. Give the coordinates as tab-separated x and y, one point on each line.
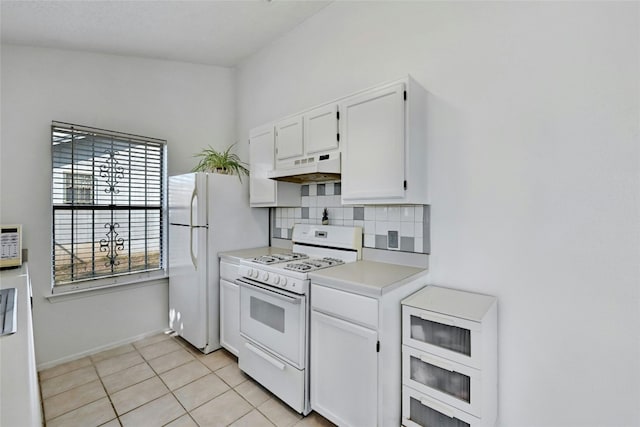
161	381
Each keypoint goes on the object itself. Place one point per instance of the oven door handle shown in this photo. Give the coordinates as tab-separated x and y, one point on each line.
265	356
274	294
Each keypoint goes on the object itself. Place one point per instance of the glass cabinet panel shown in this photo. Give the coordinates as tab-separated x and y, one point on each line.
452	383
427	417
450	337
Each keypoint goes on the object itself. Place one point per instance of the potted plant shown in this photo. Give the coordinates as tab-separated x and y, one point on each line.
224	162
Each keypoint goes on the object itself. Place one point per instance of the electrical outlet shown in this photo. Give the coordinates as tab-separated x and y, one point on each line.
392	239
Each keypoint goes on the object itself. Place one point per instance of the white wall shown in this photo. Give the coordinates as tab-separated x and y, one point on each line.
533	174
189	105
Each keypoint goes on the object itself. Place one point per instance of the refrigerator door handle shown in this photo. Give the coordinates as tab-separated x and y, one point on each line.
194	194
194	260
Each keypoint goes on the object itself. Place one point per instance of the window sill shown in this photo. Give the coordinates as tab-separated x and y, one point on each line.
160	278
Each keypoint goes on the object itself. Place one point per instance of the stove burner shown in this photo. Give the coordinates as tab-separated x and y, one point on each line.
332	261
313	264
276	258
298	267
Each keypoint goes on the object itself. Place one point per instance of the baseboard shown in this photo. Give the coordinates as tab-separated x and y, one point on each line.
95	350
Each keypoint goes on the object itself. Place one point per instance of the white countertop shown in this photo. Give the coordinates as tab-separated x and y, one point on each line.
452	302
368	278
235	256
19	392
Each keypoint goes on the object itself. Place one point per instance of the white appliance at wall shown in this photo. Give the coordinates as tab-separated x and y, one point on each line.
208	214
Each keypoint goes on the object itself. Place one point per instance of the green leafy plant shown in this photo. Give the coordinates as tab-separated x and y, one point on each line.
224	162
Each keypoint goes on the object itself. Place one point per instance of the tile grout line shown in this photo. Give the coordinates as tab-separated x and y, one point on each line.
156	374
171	391
145	361
94	366
198	357
107	393
231	388
195	357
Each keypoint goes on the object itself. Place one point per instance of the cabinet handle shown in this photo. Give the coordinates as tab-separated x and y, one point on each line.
438	363
442	409
438	319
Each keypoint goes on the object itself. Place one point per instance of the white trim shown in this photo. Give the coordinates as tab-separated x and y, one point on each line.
410	259
280	243
150	279
95	350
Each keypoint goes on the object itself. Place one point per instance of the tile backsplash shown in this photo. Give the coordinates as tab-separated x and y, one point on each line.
392	227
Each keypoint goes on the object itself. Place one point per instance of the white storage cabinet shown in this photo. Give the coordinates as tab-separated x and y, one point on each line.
321	129
229	307
265	192
344	356
355	355
289	142
307	138
384	147
449	358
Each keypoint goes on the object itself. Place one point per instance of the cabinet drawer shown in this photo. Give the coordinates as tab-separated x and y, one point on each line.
446	336
419	410
348	306
229	271
452	383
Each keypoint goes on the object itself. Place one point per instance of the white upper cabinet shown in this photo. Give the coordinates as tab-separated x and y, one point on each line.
300	139
262	189
265	192
383	145
373	132
321	129
289	142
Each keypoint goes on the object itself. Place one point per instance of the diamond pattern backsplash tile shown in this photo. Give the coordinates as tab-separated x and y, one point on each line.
408	225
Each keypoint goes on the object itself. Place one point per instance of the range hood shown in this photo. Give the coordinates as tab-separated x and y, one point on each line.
320	168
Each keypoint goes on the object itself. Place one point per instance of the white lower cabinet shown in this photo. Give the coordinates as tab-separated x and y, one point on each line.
230	316
355	353
449	359
344	365
229	308
419	410
454	384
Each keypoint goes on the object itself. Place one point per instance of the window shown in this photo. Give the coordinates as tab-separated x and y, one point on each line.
79	187
108	202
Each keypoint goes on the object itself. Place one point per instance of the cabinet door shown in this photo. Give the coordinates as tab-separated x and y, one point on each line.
230	316
445	336
321	129
262	189
449	382
344	371
419	410
372	133
289	138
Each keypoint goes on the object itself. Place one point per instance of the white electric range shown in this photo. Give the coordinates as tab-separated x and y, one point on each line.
274	308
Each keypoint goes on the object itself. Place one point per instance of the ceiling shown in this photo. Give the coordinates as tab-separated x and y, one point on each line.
205	32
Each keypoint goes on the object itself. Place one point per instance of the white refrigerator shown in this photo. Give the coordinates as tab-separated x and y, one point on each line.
208	214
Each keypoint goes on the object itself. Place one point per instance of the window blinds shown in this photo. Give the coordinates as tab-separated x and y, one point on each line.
107	198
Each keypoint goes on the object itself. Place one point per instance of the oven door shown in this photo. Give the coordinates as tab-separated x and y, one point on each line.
274	319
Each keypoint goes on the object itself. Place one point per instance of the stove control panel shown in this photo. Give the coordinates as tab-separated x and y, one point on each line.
291	284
